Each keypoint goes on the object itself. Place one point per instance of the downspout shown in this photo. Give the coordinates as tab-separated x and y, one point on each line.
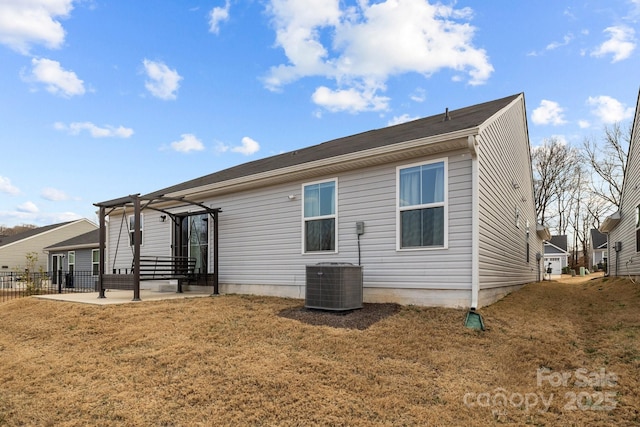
102	251
608	272
475	221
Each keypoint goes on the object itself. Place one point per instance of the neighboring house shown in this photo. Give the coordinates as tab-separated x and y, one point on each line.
14	249
555	254
75	260
599	252
623	227
439	212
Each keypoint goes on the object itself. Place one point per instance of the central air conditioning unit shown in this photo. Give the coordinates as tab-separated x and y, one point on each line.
334	286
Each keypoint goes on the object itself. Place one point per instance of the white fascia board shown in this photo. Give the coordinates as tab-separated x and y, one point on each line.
430	145
562	251
610	223
543	232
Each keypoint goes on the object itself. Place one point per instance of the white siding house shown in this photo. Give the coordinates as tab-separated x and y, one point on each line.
14	249
598	249
556	255
75	261
445	204
623	227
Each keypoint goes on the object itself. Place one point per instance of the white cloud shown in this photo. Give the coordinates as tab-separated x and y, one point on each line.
361	46
25	214
54	194
351	100
420	95
25	23
609	110
56	79
163	82
28	207
106	131
565	41
549	112
188	143
8	188
620	44
584	124
562	139
221	147
248	147
401	119
634	13
217	16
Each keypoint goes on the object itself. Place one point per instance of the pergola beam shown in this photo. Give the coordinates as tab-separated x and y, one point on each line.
134	201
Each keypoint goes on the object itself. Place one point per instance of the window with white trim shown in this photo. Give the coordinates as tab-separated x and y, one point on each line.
71	261
131	225
638	228
422	205
320	216
95	261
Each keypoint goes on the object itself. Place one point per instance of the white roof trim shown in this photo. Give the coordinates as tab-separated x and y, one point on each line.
44	233
610	223
562	251
429	145
543	232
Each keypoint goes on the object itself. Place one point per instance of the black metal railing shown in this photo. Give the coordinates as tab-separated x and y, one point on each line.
24	284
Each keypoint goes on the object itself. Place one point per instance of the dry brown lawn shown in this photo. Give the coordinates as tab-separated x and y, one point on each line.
553	354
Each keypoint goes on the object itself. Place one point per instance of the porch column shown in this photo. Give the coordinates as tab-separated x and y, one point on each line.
137	237
215	252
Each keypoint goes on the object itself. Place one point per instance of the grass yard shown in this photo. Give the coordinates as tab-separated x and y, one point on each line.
553	354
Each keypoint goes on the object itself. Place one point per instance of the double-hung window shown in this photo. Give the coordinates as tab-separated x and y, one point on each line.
95	262
71	257
638	228
131	229
422	205
320	215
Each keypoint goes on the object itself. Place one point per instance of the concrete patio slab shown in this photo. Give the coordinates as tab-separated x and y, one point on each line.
123	297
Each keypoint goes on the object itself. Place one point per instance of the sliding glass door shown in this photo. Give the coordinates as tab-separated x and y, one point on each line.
192	239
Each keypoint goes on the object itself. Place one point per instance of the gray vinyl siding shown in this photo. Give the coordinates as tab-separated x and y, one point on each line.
118	250
83	263
260	236
83	260
261	228
156	239
627	261
504	158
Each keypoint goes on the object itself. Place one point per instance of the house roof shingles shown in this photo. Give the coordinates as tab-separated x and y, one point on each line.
89	239
598	239
5	240
460	120
559	241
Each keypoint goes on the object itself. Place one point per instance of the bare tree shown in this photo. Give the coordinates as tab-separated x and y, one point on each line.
574	190
609	162
554	166
11	231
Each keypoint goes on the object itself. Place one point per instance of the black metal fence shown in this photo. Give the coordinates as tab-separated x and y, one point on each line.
24	284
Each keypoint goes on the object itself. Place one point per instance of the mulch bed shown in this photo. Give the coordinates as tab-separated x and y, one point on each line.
359	319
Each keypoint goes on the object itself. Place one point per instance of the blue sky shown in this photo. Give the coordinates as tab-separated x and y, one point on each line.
101	99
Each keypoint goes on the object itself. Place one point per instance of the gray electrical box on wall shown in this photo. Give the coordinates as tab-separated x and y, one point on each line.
360	227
